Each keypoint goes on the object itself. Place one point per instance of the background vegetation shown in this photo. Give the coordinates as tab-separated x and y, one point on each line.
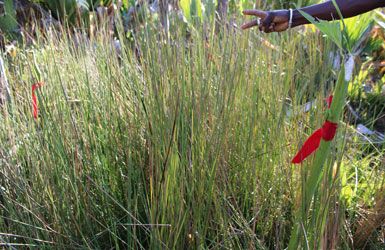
176	130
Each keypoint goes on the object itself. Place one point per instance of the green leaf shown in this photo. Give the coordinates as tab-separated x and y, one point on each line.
191	9
196	8
126	4
331	29
185	6
8	22
357	30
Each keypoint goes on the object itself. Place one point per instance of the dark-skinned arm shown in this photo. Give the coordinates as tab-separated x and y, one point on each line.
327	11
278	20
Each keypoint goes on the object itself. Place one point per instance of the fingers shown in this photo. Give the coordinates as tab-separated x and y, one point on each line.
269	29
267	22
266	18
250	24
257	13
270	21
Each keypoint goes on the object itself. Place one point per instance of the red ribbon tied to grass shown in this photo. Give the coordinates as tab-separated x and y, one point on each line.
34	99
327	133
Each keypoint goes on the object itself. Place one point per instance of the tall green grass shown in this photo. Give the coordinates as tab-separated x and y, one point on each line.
176	143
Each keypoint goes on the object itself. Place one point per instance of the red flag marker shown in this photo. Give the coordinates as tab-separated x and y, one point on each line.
327	133
34	99
329	101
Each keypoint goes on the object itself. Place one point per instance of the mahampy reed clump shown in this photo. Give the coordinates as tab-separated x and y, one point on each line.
176	142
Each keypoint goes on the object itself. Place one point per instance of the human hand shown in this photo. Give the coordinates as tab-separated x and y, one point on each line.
268	21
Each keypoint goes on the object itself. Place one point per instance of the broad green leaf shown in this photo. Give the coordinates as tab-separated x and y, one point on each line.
357	28
331	29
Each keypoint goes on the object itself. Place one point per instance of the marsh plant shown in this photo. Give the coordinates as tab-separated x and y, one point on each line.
175	142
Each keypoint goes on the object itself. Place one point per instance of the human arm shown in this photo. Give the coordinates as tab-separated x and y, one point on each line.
278	20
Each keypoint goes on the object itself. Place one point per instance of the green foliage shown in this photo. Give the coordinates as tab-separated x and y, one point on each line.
312	218
173	145
357	30
8	22
128	3
192	9
245	4
69	10
193	135
349	35
179	146
66	9
360	179
331	29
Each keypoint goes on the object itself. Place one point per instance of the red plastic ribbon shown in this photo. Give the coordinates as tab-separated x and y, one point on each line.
34	99
329	101
327	133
